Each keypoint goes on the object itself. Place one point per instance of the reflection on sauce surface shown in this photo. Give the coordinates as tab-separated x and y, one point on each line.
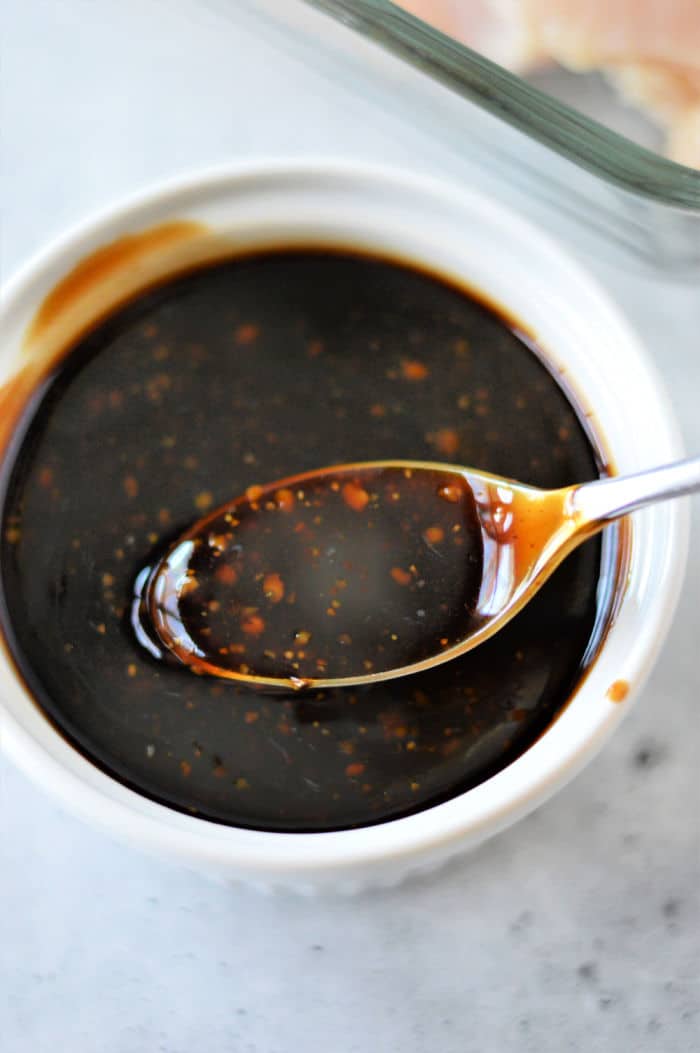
258	369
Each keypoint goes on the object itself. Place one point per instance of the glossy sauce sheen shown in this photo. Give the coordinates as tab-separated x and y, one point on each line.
252	370
345	574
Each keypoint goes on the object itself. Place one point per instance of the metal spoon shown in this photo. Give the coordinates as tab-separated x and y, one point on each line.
366	572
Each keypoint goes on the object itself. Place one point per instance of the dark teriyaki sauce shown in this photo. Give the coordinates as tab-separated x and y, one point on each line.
249	371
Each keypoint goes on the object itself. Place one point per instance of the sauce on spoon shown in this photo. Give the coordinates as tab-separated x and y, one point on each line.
347	574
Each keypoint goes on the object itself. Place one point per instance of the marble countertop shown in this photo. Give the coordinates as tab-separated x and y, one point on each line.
578	929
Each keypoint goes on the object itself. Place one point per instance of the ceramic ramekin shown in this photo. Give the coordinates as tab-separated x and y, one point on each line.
465	235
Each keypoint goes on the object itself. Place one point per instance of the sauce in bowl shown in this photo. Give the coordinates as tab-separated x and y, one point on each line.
260	368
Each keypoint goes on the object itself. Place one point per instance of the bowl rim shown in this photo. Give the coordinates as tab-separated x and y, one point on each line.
38	749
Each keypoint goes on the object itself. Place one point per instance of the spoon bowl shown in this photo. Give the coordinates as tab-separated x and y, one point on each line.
358	573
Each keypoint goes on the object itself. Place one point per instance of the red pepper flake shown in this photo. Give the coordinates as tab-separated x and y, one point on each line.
377	410
253	625
347	747
46	478
246	334
434	535
450	493
251	716
131	669
131	486
102	628
355	497
400	576
254	493
218	542
226	574
204	500
108	580
185	768
315	348
285	500
302	637
189	585
273	587
413	370
345	639
445	441
355	769
219	771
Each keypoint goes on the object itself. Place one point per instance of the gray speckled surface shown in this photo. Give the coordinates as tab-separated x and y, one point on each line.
579	929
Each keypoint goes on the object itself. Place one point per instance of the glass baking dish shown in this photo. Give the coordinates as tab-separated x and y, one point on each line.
483	116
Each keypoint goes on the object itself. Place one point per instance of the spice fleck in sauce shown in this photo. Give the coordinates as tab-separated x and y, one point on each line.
257	369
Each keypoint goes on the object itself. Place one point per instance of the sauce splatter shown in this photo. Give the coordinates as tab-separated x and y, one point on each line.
618	691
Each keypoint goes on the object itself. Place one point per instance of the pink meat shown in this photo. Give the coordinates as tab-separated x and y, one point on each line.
649	48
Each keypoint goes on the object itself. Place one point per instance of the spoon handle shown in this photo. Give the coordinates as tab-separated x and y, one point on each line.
611	498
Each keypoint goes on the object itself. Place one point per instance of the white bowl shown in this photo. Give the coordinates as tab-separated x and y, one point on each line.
466	236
